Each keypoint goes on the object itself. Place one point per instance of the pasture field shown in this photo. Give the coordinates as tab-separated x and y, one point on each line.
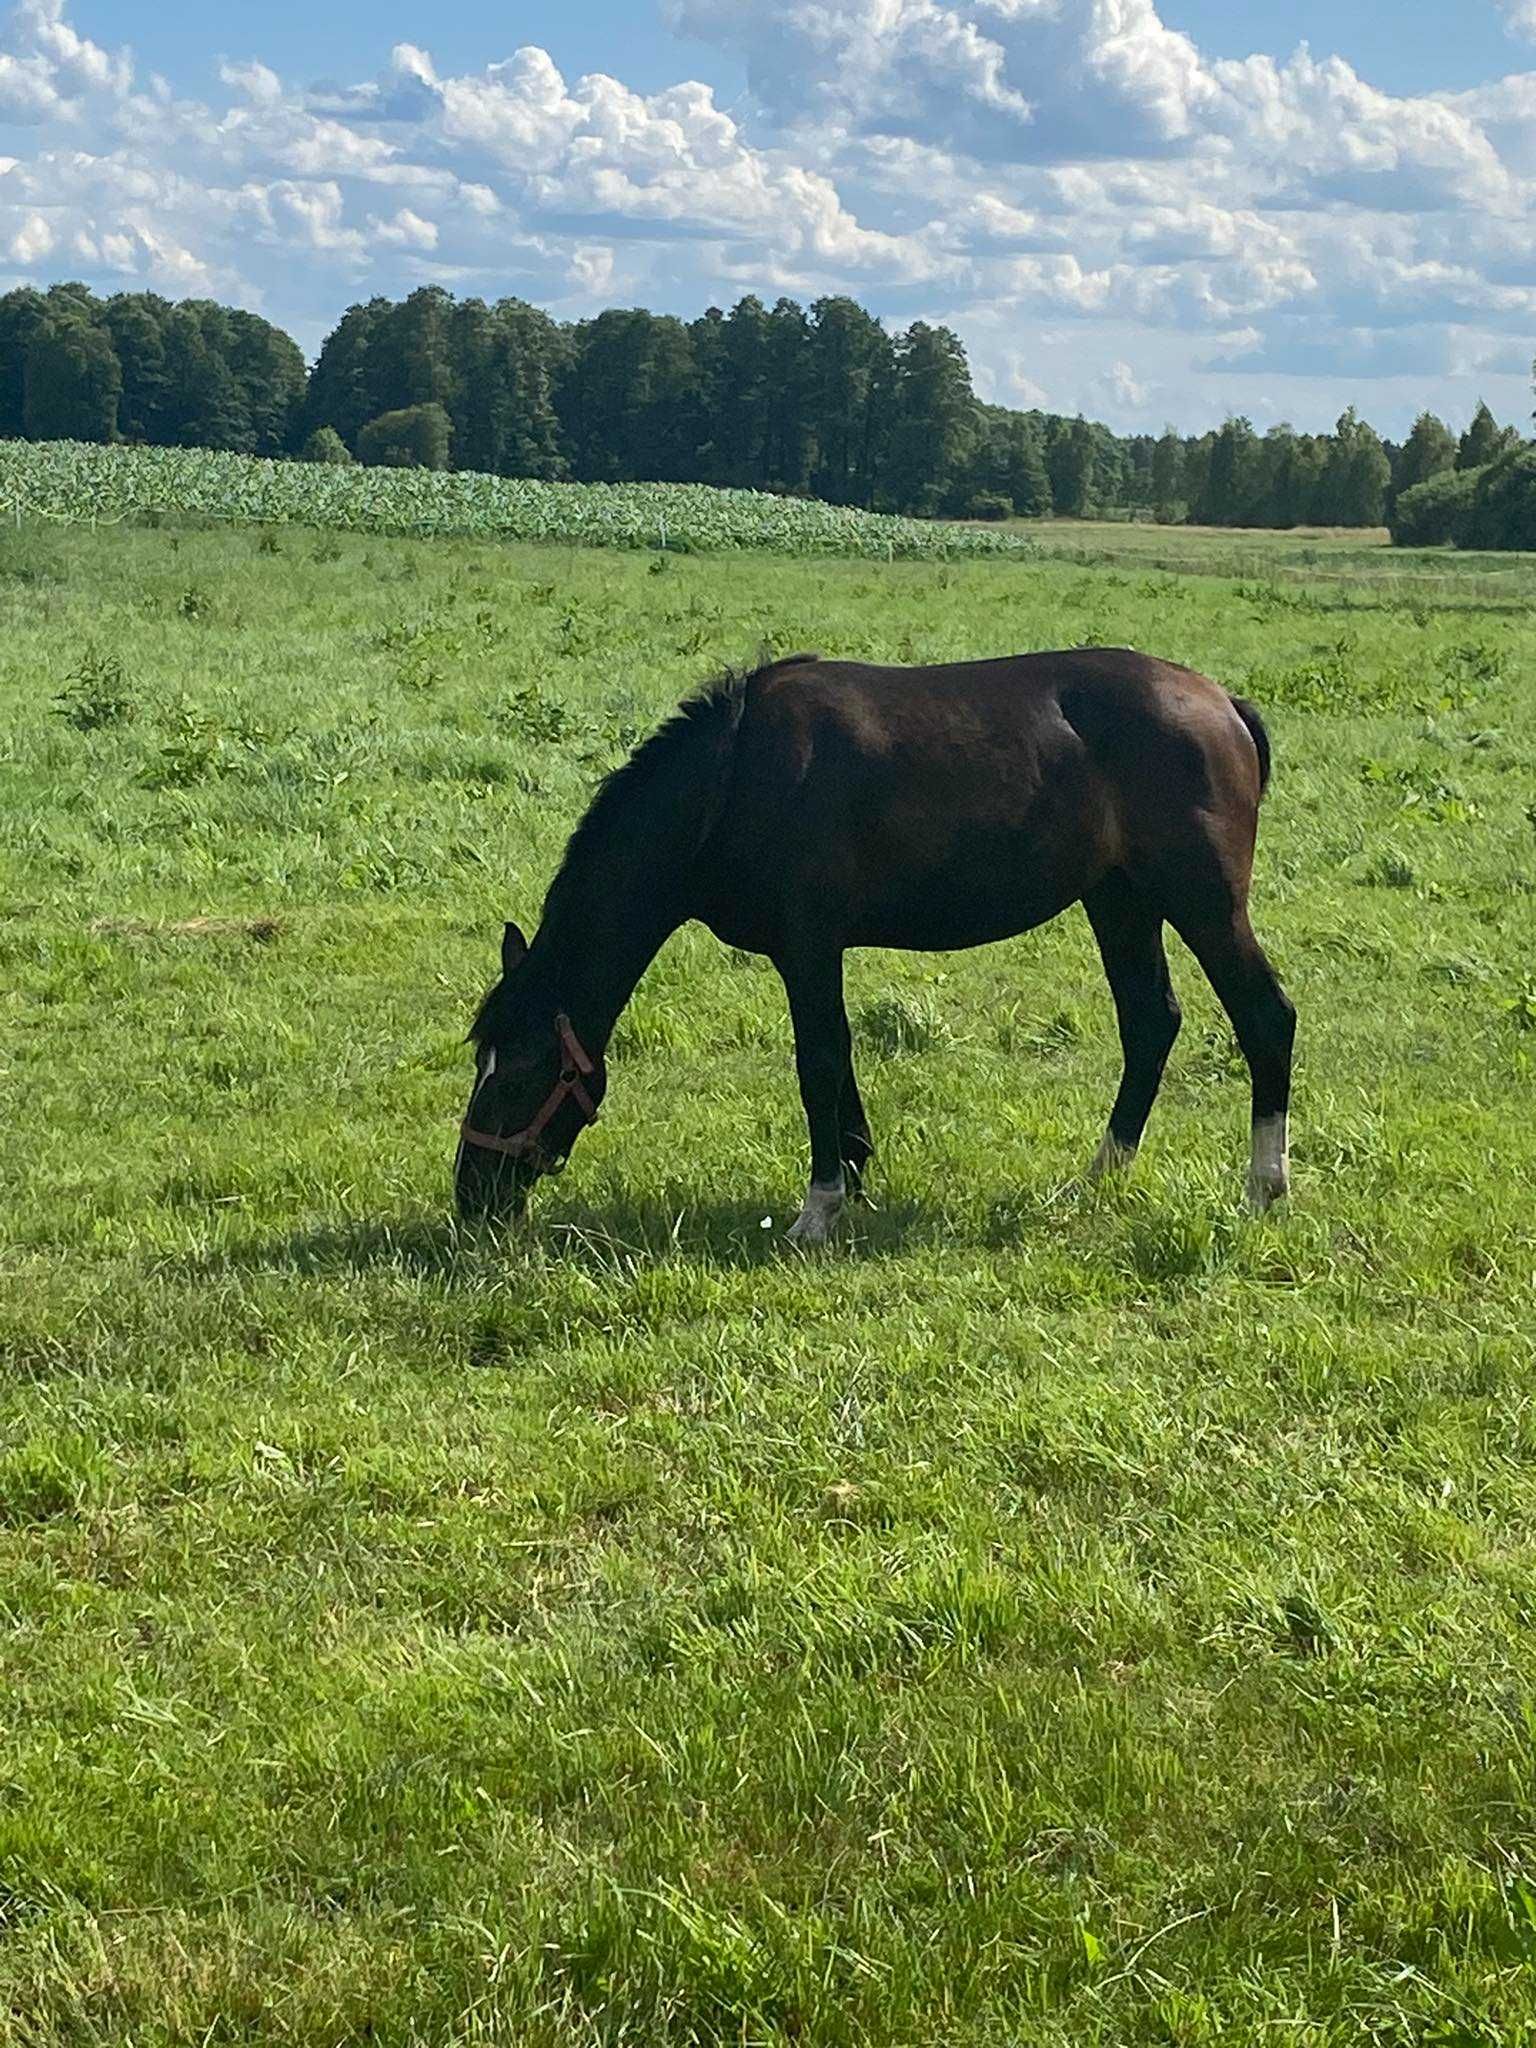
1050	1619
1336	557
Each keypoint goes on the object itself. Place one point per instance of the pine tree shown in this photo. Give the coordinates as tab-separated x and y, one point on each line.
740	429
852	367
935	417
530	353
791	384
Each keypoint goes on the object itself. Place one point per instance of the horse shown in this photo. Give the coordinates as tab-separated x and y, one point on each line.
814	805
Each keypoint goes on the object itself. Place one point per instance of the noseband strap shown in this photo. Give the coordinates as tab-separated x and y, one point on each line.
576	1068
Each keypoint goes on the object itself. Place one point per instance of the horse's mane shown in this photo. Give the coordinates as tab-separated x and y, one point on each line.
677	778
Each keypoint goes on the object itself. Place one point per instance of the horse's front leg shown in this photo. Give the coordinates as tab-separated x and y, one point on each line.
857	1146
823	1056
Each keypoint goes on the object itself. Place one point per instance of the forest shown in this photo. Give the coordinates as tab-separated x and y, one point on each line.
824	402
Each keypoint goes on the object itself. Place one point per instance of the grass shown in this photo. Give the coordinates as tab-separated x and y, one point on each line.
1344	559
1053	1619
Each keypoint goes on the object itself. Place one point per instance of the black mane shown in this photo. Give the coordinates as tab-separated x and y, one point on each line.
672	779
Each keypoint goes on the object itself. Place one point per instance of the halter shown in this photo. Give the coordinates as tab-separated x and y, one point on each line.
575	1067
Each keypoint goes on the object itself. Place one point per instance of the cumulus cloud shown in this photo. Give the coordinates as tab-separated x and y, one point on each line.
1111	217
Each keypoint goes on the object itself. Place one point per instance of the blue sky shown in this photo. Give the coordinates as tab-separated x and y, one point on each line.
1145	209
1400	47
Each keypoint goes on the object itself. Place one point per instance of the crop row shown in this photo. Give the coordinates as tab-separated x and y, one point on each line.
81	483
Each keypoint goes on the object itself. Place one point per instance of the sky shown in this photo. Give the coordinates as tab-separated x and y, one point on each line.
1147	210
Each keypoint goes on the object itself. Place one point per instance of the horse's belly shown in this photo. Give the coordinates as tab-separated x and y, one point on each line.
946	910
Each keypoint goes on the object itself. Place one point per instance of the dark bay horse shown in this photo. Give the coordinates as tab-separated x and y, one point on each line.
817	805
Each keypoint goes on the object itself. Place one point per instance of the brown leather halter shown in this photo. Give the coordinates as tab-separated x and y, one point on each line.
575	1068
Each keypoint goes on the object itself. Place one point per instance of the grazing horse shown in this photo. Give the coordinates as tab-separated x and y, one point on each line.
817	805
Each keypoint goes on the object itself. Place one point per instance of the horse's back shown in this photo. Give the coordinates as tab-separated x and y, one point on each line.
951	804
1154	730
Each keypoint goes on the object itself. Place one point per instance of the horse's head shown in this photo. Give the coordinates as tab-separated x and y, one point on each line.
536	1089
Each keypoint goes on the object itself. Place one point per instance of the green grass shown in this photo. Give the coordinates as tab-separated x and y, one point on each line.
1049	1620
1340	558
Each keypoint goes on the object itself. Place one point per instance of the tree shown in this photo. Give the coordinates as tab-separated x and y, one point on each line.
739	429
1072	457
340	385
1005	473
1484	441
206	407
935	421
268	368
1435	513
1291	467
852	373
410	362
326	445
1503	513
1168	471
1233	479
411	437
1356	477
791	450
136	322
21	314
530	354
72	380
630	377
1429	451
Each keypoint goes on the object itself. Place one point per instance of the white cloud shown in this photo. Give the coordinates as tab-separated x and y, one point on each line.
407	230
1522	16
1124	392
32	241
1112	218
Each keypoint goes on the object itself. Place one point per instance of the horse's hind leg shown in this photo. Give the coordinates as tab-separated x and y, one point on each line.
1129	929
1264	1018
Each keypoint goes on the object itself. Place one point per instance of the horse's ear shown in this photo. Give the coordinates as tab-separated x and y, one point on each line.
514	948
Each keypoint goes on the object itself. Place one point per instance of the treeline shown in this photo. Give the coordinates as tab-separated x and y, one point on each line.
137	368
821	402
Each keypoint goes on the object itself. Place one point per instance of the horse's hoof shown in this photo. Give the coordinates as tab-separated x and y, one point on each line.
817	1220
1110	1161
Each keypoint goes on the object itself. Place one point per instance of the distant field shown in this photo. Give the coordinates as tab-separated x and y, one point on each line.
1050	1621
1351	558
86	485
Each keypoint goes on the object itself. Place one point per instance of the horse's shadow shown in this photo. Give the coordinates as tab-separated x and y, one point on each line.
597	1233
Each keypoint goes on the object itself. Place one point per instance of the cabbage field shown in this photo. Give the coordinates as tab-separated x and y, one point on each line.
83	484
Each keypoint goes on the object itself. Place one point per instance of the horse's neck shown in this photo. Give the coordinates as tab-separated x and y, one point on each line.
612	918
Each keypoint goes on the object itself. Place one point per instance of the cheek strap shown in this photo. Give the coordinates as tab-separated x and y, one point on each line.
576	1068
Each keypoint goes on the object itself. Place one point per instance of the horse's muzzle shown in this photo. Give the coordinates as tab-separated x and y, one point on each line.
489	1188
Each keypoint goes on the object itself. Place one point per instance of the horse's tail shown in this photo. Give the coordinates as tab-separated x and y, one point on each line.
1259	734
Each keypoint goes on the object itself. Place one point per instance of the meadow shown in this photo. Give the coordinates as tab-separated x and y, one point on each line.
1049	1618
